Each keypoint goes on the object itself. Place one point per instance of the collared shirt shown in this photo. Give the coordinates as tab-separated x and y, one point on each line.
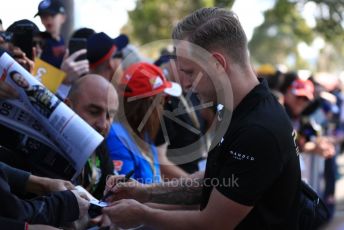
257	164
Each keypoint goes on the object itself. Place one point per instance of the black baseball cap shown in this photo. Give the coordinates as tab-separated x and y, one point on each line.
121	41
15	26
100	47
51	7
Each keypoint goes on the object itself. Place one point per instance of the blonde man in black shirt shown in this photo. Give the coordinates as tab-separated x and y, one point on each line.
252	178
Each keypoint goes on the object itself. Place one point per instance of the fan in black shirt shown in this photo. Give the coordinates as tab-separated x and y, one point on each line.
56	209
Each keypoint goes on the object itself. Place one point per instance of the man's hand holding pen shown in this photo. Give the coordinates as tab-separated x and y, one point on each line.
123	196
117	188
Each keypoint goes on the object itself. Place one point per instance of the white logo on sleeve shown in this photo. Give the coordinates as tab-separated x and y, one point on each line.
240	156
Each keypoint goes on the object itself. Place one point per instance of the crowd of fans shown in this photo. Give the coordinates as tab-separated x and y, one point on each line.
98	77
315	109
85	89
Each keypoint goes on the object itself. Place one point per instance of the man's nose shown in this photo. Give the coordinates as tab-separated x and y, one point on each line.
101	124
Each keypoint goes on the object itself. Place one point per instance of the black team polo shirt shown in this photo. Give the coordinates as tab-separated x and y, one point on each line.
256	163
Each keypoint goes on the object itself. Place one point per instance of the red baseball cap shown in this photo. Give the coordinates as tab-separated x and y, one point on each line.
145	79
303	88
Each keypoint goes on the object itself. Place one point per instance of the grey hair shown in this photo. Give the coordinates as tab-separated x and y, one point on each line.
214	28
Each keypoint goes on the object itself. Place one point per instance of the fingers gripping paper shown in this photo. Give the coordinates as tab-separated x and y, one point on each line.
67	132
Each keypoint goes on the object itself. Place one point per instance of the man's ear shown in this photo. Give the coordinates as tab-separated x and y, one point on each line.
221	61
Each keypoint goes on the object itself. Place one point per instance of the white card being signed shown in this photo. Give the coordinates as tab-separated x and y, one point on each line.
93	200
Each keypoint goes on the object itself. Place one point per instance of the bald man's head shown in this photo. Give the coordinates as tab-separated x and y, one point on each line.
87	83
95	100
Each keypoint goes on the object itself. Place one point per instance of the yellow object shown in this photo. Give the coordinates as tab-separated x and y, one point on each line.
50	76
266	69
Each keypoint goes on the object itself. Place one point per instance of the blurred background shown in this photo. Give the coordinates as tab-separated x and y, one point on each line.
284	35
305	34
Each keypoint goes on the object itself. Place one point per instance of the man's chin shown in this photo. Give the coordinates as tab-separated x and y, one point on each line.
104	133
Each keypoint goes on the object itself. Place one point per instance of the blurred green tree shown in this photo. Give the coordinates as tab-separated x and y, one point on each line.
329	19
153	19
275	40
